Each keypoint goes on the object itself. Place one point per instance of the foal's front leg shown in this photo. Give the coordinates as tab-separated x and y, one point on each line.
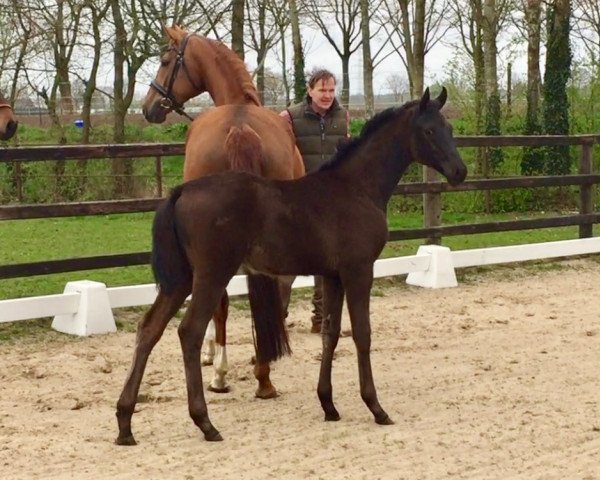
358	291
149	331
333	301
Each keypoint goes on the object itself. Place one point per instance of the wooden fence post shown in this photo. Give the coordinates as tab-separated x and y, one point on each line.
159	186
586	202
19	181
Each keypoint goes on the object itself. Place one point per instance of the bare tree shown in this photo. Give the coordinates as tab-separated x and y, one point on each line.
266	21
586	17
338	16
414	27
93	14
398	86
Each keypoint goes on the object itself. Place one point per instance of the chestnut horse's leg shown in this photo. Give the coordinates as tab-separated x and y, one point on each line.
357	284
206	294
208	352
218	383
333	301
149	331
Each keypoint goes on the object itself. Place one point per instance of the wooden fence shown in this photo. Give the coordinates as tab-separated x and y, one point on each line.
585	179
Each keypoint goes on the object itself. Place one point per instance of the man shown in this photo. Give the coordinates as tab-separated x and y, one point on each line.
319	123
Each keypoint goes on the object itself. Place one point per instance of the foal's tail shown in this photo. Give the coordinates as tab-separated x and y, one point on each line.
170	265
245	149
268	318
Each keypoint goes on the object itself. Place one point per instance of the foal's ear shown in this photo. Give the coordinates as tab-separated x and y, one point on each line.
424	100
442	97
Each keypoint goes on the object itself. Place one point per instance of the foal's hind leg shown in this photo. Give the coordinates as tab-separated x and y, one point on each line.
218	384
358	290
205	297
333	300
149	331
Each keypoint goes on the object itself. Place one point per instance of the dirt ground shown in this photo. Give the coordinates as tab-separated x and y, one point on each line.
497	378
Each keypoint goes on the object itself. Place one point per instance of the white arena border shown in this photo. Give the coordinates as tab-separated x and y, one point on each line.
85	307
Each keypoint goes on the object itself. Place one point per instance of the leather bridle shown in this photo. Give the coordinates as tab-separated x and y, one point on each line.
5	105
169	101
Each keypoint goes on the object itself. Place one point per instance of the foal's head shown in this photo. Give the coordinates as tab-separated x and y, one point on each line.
432	143
173	84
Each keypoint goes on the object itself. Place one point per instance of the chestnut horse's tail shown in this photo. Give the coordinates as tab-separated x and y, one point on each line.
267	315
170	265
244	149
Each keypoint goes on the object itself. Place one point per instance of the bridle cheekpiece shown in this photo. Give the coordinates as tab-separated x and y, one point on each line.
168	101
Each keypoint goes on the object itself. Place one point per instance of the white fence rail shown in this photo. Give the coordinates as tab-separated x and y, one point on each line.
85	307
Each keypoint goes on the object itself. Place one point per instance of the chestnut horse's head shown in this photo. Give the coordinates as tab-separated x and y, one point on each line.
434	144
8	122
173	84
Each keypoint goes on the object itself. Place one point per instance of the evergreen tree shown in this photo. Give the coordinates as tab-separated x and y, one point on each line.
556	75
533	157
492	127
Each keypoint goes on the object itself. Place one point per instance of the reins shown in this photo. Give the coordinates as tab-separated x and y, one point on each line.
168	101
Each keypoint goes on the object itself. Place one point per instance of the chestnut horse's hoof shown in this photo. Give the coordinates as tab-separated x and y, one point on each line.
385	420
224	389
332	417
126	441
213	436
266	393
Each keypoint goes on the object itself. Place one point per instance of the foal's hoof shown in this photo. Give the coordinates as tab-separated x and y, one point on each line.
385	420
126	441
332	417
213	436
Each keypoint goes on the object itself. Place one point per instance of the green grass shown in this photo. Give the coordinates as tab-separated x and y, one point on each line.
49	239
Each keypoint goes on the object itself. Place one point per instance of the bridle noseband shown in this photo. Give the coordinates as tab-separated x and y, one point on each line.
5	105
169	101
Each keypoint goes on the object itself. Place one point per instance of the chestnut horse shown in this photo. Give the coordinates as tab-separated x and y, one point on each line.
331	223
239	134
8	122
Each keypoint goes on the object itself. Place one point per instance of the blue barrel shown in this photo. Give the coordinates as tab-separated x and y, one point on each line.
78	123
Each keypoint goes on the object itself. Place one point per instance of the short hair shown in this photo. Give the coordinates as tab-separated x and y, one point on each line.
320	74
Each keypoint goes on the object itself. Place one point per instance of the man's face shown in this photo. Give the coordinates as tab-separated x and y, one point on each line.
322	94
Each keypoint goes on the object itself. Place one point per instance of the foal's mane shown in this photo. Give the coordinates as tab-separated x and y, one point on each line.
373	124
236	66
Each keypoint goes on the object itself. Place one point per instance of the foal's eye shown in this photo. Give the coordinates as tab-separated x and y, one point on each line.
428	132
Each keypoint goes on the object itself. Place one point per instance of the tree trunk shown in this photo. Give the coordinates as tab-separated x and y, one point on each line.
556	76
299	78
345	96
118	167
367	59
534	79
490	54
237	27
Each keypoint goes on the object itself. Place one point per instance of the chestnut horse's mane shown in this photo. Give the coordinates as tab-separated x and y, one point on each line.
237	67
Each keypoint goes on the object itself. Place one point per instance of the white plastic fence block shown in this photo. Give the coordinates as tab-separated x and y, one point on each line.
94	314
440	273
